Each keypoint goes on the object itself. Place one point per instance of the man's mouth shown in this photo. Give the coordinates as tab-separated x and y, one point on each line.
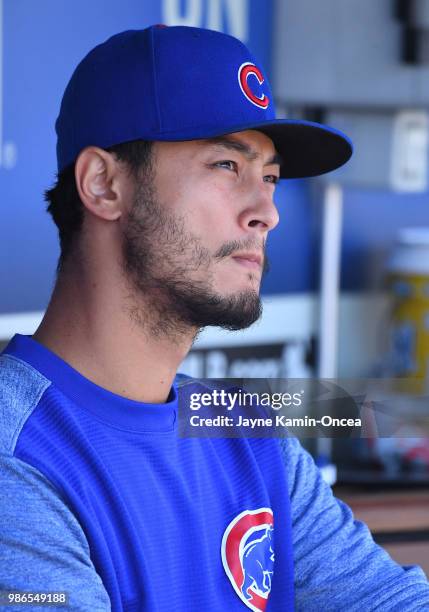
249	260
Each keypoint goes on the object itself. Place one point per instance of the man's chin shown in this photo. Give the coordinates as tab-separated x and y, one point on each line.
197	307
238	324
248	283
235	312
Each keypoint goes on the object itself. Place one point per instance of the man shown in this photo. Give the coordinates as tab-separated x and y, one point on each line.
168	155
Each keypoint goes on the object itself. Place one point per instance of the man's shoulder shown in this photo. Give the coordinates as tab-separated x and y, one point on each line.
21	387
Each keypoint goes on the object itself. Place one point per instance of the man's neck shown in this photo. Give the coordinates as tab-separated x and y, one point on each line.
89	326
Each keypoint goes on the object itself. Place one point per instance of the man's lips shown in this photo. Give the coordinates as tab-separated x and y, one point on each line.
249	260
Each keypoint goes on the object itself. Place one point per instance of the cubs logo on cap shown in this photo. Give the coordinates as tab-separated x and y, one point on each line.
248	556
244	72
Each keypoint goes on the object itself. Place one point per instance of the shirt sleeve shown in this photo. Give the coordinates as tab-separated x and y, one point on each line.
43	547
338	566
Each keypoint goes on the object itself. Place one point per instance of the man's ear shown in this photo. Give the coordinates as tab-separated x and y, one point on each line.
97	175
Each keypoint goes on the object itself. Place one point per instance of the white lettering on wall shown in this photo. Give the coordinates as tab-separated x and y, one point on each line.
8	150
9	155
1	83
237	18
235	12
172	15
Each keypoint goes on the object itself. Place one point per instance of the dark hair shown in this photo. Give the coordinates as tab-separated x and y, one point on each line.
65	205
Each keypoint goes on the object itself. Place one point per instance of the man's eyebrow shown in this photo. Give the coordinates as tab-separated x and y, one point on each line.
243	148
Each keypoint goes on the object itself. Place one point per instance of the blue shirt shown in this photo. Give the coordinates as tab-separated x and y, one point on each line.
102	499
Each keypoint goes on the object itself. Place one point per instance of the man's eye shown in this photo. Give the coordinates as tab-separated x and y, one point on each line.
227	163
271	178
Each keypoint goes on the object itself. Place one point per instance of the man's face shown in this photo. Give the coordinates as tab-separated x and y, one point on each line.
195	237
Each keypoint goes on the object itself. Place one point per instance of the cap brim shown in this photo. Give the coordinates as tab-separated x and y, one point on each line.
306	148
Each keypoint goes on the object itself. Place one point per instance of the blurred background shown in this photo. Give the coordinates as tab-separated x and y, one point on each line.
348	291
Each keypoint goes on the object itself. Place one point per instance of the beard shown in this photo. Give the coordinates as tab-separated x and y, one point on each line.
171	273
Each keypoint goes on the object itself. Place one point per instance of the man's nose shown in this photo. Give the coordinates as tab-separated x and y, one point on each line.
261	212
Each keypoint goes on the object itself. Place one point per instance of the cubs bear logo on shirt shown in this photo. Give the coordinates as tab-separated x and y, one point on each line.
248	556
244	72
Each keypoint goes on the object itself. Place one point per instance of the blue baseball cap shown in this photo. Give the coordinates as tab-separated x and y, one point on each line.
182	83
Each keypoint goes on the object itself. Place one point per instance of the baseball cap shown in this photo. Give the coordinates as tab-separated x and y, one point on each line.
177	83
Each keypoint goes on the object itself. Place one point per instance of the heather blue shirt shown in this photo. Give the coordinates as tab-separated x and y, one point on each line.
101	499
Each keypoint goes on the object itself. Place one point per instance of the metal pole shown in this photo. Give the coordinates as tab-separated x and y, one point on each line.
329	305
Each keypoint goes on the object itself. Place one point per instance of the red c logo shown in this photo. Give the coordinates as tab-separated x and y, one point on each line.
244	71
